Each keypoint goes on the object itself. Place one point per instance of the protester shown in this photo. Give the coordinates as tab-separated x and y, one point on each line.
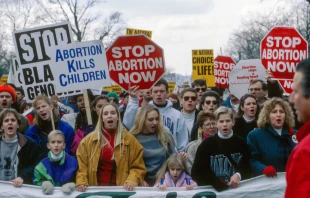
207	126
209	102
157	142
58	169
20	94
246	118
80	133
19	154
46	120
174	174
258	88
224	147
173	98
189	100
172	118
200	85
110	156
297	168
7	99
181	88
145	98
124	104
232	102
113	98
272	143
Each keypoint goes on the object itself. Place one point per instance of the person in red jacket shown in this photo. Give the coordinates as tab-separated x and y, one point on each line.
297	169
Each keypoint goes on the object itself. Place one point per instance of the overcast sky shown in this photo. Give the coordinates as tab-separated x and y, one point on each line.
182	25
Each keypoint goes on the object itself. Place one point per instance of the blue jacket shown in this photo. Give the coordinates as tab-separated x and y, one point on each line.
58	173
64	127
227	103
267	146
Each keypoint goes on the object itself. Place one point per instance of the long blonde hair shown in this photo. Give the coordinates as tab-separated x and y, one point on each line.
37	121
164	137
119	135
173	160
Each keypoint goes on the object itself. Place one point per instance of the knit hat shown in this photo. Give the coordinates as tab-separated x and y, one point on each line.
9	89
114	95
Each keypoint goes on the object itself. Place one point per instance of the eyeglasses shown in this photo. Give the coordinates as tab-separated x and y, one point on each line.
112	99
203	89
193	98
214	102
255	89
209	124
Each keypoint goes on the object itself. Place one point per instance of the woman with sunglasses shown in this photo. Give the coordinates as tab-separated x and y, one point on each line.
247	115
207	126
209	102
157	142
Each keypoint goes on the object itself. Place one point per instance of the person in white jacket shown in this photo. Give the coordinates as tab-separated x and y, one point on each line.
173	120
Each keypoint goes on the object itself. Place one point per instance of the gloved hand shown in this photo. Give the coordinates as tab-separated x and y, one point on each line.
47	188
68	188
269	171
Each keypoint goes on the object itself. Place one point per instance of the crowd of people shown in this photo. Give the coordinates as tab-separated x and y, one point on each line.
155	139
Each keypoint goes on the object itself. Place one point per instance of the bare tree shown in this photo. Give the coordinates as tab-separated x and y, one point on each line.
244	43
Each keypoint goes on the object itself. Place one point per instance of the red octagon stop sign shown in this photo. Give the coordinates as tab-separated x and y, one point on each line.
281	49
137	60
222	67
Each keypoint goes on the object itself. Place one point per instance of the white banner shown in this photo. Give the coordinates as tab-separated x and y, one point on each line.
80	66
256	187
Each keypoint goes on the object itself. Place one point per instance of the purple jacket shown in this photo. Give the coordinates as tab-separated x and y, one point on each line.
180	183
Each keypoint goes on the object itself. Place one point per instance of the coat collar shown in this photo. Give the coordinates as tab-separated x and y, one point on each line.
271	129
21	139
303	131
95	136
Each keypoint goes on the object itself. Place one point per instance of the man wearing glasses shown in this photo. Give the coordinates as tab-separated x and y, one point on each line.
189	100
200	86
258	88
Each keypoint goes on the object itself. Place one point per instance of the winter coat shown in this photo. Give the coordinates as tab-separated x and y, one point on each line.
191	153
168	182
266	149
58	173
130	166
297	169
173	120
64	127
29	155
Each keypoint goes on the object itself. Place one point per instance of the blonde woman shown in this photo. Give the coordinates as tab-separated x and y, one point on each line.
110	156
274	140
157	142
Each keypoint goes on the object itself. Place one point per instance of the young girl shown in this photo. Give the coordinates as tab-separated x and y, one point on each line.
174	174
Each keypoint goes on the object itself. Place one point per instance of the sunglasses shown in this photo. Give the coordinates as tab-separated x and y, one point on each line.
203	89
214	102
193	98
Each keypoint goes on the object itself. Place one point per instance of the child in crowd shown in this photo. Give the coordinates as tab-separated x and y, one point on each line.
58	169
223	159
174	174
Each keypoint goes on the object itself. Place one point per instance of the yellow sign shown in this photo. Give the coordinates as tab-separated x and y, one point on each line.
4	79
117	89
203	66
130	31
171	86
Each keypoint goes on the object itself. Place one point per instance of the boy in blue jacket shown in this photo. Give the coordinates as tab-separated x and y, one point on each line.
58	169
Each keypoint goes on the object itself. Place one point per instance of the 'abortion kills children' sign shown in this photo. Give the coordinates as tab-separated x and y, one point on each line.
33	47
137	60
80	66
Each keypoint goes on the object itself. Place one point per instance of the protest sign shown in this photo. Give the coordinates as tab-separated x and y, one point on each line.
17	74
257	187
79	66
243	73
135	60
222	67
287	85
130	31
203	66
171	87
281	49
4	79
32	49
